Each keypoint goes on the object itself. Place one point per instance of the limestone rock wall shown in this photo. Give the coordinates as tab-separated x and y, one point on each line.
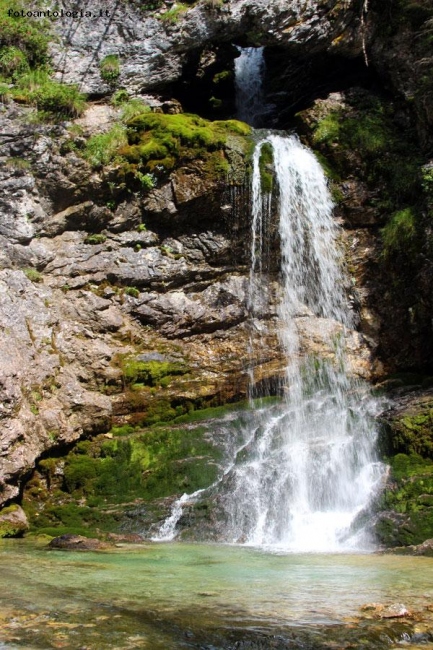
153	47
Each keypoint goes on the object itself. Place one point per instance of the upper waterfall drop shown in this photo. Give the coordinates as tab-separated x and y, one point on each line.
249	72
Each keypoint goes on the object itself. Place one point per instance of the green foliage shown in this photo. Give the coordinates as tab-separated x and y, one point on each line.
124	430
78	472
54	99
101	149
119	97
95	239
13	62
23	60
147	180
399	234
266	166
132	291
5	92
327	129
33	275
27	36
59	100
109	68
364	130
172	15
150	373
132	108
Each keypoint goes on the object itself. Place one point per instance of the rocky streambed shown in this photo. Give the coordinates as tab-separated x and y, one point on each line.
194	596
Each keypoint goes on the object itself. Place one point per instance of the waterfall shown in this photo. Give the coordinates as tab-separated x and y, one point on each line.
304	471
311	467
249	71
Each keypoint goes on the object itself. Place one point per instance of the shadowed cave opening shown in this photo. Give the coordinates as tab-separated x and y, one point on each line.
292	81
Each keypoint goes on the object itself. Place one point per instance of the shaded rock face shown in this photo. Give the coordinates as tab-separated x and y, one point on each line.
384	207
401	52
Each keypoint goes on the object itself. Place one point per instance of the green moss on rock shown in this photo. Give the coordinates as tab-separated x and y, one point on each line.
407	502
12	522
155	143
266	161
362	130
400	233
410	431
104	477
150	373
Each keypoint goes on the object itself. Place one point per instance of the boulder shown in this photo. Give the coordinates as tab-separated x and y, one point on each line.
70	542
13	521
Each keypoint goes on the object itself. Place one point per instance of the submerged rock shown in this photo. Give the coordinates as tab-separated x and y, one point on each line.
77	543
379	610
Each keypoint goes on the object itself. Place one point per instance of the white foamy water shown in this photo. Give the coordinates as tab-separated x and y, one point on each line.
299	474
311	468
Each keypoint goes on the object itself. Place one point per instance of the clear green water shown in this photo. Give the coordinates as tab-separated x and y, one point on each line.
164	596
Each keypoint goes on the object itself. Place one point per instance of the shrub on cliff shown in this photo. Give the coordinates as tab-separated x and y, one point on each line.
49	97
28	36
24	62
109	68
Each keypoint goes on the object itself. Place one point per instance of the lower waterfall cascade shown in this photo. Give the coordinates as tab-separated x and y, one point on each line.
306	469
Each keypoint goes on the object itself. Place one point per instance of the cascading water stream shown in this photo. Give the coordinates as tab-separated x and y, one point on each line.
302	471
249	70
311	467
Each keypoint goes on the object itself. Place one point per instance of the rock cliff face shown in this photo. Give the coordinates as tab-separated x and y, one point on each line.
126	303
102	293
155	46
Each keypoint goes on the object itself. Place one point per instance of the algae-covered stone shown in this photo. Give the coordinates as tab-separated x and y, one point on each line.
409	425
406	503
13	522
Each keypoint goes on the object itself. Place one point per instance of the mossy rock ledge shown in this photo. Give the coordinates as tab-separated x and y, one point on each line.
125	481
